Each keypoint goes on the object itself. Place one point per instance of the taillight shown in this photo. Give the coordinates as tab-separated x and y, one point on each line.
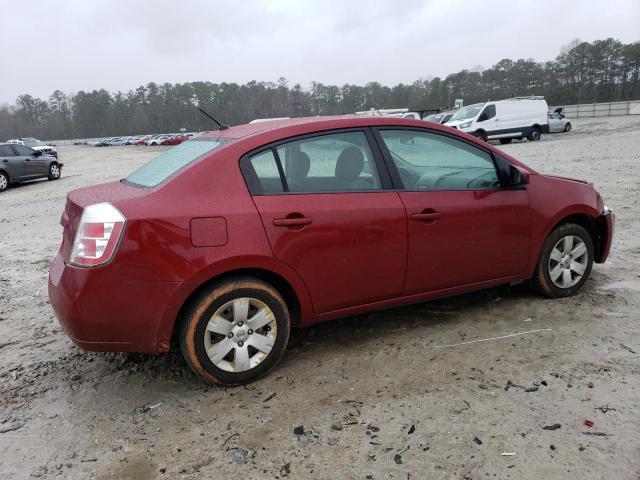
98	234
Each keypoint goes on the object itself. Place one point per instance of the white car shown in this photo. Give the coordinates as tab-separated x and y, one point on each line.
156	140
558	123
504	120
36	145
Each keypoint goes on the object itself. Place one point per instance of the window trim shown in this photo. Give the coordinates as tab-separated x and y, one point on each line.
395	176
255	187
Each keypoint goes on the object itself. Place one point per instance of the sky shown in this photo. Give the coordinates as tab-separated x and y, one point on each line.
74	45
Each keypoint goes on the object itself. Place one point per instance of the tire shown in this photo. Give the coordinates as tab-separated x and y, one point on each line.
234	335
482	135
54	171
4	181
567	127
573	270
534	135
505	141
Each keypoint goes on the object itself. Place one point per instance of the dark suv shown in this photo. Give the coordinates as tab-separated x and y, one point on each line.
19	163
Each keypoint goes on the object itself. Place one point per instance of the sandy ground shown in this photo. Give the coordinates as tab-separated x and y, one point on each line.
376	396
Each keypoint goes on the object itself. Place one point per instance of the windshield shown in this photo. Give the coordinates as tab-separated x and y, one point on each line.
170	161
465	113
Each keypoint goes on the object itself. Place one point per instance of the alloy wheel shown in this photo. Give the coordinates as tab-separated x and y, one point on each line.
3	182
568	261
55	171
240	334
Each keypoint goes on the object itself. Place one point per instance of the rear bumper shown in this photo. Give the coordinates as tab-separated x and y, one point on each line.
605	225
101	312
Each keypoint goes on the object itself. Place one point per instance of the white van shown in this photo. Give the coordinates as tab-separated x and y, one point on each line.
504	120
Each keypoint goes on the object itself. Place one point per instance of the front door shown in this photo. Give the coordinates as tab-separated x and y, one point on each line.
327	216
463	227
35	165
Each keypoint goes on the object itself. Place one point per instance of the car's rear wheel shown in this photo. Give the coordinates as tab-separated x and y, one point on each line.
567	127
4	181
54	171
504	141
565	261
534	135
235	332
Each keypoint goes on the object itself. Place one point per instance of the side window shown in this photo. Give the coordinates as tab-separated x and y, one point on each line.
429	161
6	151
338	162
23	151
488	112
266	169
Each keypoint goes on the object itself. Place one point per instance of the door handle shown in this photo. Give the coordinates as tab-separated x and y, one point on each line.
291	222
427	217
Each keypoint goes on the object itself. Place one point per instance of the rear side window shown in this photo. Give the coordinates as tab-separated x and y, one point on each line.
337	162
6	151
429	161
266	169
156	171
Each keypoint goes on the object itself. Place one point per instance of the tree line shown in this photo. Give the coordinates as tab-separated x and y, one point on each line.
583	72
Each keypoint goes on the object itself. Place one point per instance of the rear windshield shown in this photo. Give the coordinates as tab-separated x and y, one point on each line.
156	171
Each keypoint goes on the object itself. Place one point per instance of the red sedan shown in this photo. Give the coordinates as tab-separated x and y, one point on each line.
177	140
229	240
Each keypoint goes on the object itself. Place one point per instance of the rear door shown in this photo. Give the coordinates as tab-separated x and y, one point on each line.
464	228
11	163
327	215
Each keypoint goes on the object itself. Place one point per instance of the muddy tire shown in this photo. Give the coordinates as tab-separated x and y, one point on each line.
235	331
534	135
4	181
565	262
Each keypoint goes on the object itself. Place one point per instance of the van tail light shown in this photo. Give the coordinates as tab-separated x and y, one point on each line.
98	234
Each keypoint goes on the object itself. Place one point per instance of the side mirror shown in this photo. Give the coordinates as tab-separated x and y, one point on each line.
37	153
518	176
483	116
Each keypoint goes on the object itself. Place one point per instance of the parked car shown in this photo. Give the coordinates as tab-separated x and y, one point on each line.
142	140
176	140
504	120
157	139
118	142
19	163
558	123
442	117
229	240
36	145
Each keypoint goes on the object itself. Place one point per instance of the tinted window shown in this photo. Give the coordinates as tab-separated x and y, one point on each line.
6	151
170	161
24	151
338	162
430	161
266	169
489	112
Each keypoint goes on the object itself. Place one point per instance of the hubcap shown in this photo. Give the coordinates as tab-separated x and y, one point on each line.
568	261
240	334
55	170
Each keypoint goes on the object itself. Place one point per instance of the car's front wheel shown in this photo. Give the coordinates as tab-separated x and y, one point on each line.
565	261
567	127
54	171
235	331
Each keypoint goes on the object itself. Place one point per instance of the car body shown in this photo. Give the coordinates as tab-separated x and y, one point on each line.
558	123
175	140
157	140
504	120
356	224
19	163
442	117
36	145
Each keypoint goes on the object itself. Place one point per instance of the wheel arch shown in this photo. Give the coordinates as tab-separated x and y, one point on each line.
588	222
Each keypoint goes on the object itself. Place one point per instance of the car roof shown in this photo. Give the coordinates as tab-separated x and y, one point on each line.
308	124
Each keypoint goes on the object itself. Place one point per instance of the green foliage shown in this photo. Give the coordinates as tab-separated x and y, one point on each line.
601	71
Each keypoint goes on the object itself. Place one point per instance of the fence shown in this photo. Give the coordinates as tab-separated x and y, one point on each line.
609	109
